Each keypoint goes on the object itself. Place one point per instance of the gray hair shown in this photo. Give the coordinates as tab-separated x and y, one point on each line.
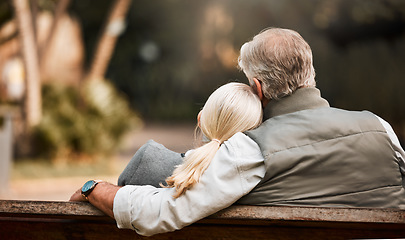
281	59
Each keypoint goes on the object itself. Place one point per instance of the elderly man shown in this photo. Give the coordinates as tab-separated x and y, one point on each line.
305	153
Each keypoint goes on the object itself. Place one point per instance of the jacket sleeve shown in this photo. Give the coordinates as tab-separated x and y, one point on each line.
235	170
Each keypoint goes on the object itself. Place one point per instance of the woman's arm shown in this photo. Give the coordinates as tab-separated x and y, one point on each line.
235	170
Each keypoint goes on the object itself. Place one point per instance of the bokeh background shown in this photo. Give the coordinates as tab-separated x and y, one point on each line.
83	81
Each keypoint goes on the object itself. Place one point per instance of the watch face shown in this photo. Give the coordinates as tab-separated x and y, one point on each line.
87	186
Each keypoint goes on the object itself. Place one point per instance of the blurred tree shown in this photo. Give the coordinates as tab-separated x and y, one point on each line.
64	129
113	27
59	11
173	54
32	101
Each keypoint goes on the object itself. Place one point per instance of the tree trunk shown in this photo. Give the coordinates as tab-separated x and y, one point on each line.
113	28
60	9
32	102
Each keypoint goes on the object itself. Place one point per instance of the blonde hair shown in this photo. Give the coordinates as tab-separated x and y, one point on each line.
281	59
232	108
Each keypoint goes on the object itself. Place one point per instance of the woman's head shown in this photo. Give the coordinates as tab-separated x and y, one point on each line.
281	59
232	108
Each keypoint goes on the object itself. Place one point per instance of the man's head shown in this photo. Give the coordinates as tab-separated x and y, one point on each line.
280	60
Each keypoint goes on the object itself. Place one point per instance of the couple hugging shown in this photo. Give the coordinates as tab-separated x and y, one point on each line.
275	141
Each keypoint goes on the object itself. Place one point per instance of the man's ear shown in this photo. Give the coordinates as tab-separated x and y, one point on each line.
257	86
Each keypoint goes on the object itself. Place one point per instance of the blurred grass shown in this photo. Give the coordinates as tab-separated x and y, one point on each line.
43	168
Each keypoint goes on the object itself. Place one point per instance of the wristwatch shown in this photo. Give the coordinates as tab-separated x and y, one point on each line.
88	187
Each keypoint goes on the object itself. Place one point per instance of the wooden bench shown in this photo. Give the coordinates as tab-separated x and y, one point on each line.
72	220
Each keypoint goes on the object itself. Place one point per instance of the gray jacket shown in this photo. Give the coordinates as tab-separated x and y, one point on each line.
316	155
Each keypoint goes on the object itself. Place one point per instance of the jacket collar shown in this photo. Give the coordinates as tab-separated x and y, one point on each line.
301	99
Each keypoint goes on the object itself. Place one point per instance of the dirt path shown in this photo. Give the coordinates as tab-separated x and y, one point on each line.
176	137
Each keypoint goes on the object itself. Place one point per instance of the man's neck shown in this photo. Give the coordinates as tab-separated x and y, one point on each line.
301	99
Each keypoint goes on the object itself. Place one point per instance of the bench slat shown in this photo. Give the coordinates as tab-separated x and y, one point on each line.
79	220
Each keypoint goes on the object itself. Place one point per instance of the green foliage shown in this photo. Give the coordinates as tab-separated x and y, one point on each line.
77	124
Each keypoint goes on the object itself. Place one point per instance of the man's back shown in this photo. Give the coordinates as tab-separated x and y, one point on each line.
322	156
